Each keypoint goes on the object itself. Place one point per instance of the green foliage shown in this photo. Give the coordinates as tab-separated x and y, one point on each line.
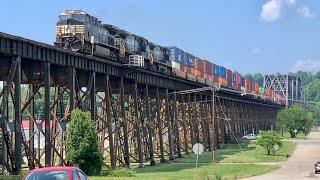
295	118
249	76
257	77
81	146
268	139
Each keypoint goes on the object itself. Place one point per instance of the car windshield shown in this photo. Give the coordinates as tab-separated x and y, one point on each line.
48	175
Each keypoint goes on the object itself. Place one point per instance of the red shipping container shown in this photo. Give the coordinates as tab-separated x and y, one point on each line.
193	71
183	68
188	70
211	78
208	67
247	84
206	76
222	81
228	74
199	64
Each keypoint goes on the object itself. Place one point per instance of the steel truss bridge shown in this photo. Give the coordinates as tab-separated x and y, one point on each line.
139	115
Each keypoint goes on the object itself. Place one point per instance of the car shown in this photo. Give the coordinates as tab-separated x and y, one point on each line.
249	137
317	167
56	173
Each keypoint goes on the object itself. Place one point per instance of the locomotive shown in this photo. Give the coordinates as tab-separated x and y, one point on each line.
78	31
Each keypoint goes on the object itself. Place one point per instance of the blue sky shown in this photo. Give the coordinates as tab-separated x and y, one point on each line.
264	36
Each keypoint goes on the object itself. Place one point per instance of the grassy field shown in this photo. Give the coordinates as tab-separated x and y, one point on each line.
188	171
252	153
232	163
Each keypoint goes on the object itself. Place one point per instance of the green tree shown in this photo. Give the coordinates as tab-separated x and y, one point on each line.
258	78
81	146
250	77
295	118
268	139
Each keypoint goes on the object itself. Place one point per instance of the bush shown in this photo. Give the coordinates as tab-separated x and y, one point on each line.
268	139
81	145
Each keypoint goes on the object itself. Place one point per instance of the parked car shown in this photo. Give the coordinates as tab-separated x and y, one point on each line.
56	173
249	137
317	167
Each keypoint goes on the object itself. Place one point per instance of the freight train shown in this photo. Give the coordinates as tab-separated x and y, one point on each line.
78	31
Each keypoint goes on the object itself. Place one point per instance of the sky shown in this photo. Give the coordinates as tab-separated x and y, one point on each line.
248	36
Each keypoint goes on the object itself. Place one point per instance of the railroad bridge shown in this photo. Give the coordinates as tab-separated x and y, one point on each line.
140	115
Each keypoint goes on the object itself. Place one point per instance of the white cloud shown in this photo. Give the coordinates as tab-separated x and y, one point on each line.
306	65
271	11
256	51
305	12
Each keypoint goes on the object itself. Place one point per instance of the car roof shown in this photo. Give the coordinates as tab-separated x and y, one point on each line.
54	168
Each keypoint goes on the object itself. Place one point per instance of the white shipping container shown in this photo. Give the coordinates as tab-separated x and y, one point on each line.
175	65
180	74
201	80
191	77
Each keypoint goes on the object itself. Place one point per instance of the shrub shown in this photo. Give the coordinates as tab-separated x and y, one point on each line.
268	139
81	145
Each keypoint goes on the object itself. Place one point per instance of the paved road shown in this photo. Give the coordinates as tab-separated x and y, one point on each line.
300	164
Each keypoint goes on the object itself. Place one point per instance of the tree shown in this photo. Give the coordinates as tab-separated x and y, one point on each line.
258	78
81	146
295	118
250	77
268	139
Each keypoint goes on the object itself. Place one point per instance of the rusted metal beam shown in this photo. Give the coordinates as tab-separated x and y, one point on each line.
159	125
17	114
46	80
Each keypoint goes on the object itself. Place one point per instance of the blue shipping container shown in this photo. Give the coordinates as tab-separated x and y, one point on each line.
222	71
177	54
189	59
215	70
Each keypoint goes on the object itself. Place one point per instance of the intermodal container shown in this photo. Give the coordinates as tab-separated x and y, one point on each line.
261	90
211	78
222	81
201	80
247	85
222	72
237	77
208	67
206	76
242	81
256	88
229	83
193	71
229	74
191	77
180	74
175	65
188	70
189	59
215	70
199	64
183	67
177	54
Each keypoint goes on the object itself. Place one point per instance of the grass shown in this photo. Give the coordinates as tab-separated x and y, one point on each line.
188	171
232	164
256	154
286	135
